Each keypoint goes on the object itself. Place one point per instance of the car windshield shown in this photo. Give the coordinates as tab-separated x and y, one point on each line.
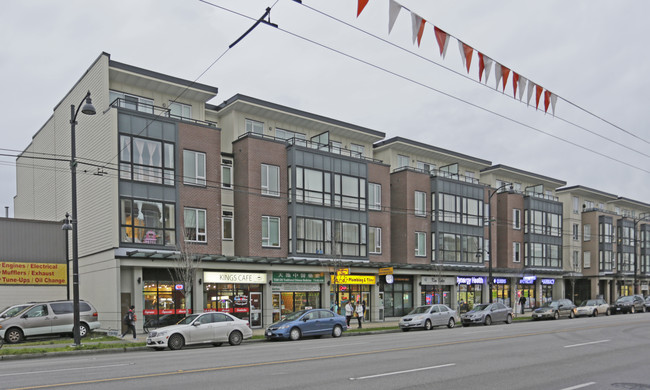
294	316
187	320
553	304
624	299
13	311
480	307
420	310
587	303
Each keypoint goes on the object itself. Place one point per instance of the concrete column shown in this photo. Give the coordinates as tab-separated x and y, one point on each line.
374	304
417	291
267	301
197	305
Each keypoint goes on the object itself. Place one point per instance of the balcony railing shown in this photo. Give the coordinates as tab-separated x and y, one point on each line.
155	110
438	173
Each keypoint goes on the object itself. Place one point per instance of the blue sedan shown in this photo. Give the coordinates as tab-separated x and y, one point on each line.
314	322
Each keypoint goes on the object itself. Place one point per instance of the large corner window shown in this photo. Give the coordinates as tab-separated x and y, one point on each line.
270	180
146	160
254	126
459	248
313	186
542	255
271	232
147	222
194	221
193	168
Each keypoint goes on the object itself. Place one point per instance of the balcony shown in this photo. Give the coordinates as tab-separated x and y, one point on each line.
157	111
438	173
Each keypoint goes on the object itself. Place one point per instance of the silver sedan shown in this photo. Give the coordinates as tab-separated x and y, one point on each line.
487	313
428	316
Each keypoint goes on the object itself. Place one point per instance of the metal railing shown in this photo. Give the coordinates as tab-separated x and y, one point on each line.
155	110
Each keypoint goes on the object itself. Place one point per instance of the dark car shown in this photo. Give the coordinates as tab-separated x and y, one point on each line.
555	310
314	322
630	304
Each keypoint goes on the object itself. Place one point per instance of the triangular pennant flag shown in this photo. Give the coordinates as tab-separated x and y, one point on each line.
522	86
547	99
538	93
481	65
497	73
515	84
506	72
553	101
361	6
466	52
393	11
417	21
488	67
531	87
443	40
421	30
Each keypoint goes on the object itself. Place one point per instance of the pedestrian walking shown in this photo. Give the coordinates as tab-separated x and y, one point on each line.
363	303
129	321
359	311
522	302
348	312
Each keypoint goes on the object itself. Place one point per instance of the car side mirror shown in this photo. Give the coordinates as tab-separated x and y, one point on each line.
24	316
3	316
304	319
196	323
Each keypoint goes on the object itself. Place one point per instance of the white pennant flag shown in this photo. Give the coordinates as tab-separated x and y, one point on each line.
521	85
529	92
497	73
393	11
488	67
417	21
462	53
553	101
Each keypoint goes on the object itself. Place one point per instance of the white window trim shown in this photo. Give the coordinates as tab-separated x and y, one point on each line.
424	240
516	254
266	219
516	219
377	204
423	212
377	243
223	228
226	185
196	218
196	180
266	189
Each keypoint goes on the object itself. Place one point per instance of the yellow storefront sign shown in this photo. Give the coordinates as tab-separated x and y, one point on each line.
386	271
353	279
343	271
33	273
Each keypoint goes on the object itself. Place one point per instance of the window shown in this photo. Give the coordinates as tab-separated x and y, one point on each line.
543	222
254	126
606	233
576	232
606	261
374	240
420	204
350	239
313	186
349	192
271	232
543	255
335	147
195	225
132	102
420	244
516	219
357	150
270	180
460	248
226	173
146	222
586	232
193	168
227	227
576	261
516	252
589	204
146	160
402	161
374	196
457	209
425	167
180	110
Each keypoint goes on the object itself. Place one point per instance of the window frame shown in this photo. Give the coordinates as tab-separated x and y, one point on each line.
201	237
374	240
420	244
195	156
266	240
272	186
374	196
420	205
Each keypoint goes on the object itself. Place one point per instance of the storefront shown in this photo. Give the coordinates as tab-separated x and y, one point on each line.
526	288
547	290
164	301
501	291
293	291
469	290
356	288
237	293
398	295
436	290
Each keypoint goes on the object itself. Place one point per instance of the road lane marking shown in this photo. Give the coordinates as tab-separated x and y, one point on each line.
332	346
579	386
402	372
66	369
589	343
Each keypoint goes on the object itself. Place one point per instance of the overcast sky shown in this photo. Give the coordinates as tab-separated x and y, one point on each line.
590	52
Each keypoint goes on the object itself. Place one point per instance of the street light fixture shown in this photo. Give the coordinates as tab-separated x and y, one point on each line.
87	109
489	249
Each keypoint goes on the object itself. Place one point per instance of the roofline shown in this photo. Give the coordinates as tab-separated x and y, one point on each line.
637	202
521	171
430	147
580	187
279	107
162	76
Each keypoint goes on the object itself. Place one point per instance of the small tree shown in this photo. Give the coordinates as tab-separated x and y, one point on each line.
184	267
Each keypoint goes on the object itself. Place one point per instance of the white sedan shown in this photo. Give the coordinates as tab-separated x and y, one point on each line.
593	307
204	328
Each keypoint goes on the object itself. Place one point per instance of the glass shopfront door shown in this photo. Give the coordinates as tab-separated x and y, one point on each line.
256	309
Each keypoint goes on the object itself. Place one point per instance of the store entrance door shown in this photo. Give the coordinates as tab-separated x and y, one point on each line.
255	300
365	297
276	307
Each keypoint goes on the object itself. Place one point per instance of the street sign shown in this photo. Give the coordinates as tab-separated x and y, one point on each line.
386	271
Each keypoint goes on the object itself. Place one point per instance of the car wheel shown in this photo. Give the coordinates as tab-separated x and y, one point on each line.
632	310
571	314
488	320
509	319
405	330
216	344
608	312
595	313
556	315
451	323
427	325
295	334
159	348
83	330
235	338
13	336
337	331
176	341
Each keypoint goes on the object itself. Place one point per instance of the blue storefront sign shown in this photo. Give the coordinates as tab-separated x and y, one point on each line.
528	280
470	280
548	281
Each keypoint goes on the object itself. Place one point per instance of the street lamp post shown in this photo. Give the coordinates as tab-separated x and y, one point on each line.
87	109
489	249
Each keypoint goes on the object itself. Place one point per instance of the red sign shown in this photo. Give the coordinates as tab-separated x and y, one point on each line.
149	312
241	310
183	311
209	310
226	309
166	311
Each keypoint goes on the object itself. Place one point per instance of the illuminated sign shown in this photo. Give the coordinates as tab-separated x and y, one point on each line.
500	281
389	279
469	280
33	273
343	271
528	280
298	277
233	277
178	287
548	281
353	279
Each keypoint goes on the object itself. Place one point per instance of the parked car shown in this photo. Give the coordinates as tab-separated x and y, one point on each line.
314	322
164	320
555	310
593	307
203	328
11	311
487	313
630	304
428	316
647	303
47	318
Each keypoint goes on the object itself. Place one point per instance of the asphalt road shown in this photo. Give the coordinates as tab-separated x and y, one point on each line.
584	353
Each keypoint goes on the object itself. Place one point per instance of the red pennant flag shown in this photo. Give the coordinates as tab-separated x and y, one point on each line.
442	39
361	6
515	81
481	65
506	72
538	93
547	99
421	30
468	55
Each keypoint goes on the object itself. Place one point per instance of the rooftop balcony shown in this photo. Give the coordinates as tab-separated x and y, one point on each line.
155	110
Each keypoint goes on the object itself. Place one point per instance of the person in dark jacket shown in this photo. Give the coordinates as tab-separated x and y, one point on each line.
129	321
522	302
